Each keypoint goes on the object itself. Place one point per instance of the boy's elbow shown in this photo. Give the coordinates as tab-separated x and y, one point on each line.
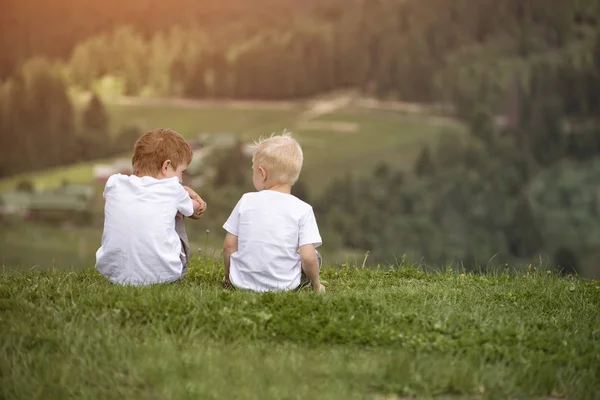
308	255
310	261
230	245
229	249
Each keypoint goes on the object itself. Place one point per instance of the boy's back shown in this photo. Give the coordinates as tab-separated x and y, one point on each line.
270	227
139	243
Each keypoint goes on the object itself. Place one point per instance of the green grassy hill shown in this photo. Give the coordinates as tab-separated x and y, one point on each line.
376	333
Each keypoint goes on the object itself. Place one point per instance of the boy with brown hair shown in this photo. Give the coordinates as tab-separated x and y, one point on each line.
144	239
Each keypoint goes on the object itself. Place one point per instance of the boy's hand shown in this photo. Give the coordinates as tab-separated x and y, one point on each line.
226	283
319	288
199	204
199	209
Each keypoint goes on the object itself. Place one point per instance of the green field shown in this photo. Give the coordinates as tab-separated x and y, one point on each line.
384	333
42	246
330	152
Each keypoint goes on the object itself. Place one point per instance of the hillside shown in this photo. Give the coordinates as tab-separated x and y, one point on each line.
376	333
351	138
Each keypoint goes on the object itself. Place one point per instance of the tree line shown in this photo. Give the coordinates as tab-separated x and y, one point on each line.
411	50
40	127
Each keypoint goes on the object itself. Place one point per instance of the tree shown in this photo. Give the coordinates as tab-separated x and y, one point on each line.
482	127
126	137
95	117
95	140
522	234
300	190
424	165
25	185
231	167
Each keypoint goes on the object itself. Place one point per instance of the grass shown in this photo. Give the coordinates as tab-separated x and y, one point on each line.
376	332
191	121
388	136
52	177
395	139
41	246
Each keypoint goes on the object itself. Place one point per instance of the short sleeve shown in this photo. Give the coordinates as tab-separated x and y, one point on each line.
185	205
110	183
232	223
309	231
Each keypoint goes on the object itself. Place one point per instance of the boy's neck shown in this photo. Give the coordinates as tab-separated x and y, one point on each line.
282	188
150	175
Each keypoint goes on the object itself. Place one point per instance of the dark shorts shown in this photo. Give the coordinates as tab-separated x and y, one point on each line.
184	256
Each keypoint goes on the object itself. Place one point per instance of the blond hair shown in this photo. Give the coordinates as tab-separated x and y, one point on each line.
157	146
281	156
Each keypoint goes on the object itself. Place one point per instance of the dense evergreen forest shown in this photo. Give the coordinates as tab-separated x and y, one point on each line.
411	50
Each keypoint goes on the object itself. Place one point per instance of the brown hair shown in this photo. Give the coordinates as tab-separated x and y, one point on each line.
157	146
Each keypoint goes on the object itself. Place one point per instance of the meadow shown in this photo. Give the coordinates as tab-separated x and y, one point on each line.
29	245
381	333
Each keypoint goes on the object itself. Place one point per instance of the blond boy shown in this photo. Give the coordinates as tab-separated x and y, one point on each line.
272	236
144	240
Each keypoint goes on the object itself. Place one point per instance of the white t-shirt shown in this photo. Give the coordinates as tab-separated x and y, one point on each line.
270	227
139	242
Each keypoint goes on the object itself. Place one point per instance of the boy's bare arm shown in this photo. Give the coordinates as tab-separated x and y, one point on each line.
199	204
310	265
230	246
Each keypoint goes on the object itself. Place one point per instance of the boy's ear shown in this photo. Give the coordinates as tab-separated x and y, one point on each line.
165	166
263	173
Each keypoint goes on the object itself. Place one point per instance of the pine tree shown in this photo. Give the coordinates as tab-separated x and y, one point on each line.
424	165
95	117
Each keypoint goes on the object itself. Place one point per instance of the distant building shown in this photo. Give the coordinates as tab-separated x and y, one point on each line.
15	203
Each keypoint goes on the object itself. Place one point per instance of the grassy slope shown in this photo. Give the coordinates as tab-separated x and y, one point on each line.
73	335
